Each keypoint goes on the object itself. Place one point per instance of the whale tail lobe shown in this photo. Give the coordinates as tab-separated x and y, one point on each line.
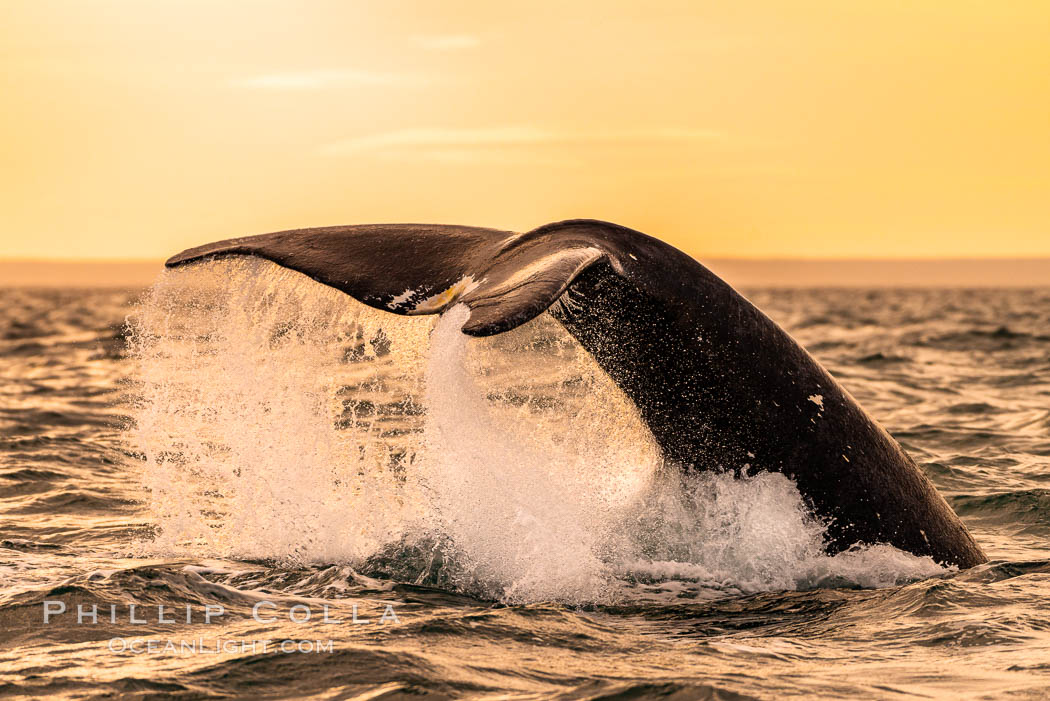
505	278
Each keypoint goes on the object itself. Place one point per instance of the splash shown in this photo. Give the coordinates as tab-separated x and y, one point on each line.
263	404
747	534
283	420
528	499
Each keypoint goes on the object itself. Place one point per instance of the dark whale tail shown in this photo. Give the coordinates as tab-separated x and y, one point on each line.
718	383
504	278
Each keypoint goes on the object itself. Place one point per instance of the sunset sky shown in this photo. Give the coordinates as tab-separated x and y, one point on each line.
132	129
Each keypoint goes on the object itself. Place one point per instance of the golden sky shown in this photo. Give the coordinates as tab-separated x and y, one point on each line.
751	128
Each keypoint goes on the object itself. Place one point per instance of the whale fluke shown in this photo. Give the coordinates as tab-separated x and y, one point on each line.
718	383
503	277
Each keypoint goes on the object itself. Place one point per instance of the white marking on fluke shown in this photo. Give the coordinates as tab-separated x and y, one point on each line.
817	399
402	298
441	300
580	256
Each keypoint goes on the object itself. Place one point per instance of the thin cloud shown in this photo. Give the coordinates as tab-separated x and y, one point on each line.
494	155
318	79
506	136
438	137
449	42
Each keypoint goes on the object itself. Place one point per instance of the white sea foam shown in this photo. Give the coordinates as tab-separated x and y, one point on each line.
281	419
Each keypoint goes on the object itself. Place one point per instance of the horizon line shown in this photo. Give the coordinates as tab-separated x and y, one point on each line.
777	258
738	272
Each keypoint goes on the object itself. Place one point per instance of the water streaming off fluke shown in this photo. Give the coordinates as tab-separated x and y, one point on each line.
283	420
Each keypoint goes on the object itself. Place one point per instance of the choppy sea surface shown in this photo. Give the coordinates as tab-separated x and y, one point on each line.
246	457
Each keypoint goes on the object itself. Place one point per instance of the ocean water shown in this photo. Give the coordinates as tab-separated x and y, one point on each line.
302	497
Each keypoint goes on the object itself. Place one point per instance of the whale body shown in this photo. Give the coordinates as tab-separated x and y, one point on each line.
719	384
